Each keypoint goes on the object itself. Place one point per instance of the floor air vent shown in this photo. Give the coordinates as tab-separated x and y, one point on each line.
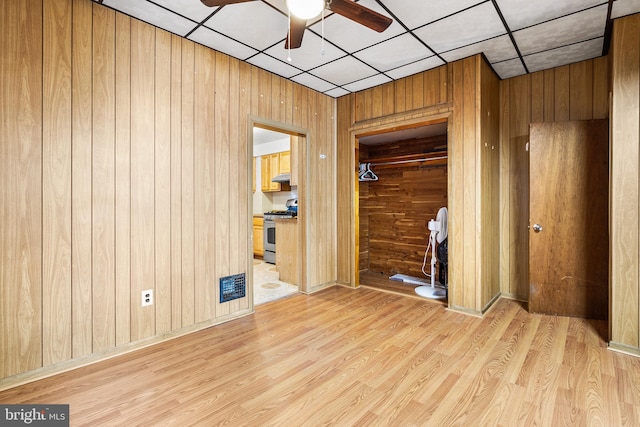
232	287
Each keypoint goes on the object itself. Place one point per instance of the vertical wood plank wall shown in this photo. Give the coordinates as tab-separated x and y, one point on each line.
489	186
56	182
346	193
21	156
124	167
573	92
454	89
318	191
81	125
473	156
103	178
625	186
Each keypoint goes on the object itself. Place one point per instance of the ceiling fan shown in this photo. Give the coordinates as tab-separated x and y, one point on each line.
347	8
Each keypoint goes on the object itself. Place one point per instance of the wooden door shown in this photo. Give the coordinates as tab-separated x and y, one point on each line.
569	187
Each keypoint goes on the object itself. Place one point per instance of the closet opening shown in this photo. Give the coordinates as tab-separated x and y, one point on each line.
402	185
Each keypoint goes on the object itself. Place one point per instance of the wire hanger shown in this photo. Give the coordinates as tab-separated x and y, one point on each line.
366	174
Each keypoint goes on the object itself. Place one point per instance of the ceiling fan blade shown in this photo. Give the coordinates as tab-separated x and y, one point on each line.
212	3
362	15
296	31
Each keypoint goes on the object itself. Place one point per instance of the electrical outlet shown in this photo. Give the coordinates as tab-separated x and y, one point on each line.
147	297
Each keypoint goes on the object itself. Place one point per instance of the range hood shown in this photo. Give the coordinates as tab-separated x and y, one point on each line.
283	177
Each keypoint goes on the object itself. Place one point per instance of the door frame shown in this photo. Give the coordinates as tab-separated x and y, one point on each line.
303	133
375	129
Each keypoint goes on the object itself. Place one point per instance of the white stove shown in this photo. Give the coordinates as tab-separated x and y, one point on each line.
271	215
270	228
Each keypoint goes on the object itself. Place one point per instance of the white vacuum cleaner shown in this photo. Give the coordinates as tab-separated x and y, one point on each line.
438	228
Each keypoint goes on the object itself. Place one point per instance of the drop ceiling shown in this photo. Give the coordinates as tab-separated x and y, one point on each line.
516	36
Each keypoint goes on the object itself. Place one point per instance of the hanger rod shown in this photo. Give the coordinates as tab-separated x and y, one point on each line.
398	162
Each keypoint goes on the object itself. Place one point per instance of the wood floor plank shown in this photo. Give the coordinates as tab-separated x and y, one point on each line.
565	414
349	357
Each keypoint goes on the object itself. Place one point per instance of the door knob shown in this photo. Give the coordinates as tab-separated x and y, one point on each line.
537	228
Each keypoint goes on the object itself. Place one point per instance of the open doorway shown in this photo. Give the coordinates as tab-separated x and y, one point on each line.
274	206
402	186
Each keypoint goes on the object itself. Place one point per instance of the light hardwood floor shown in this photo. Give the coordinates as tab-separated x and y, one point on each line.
360	357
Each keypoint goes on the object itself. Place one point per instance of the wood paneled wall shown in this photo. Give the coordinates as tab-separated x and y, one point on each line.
124	166
21	157
412	93
453	92
473	155
625	186
318	193
395	210
572	92
347	193
489	185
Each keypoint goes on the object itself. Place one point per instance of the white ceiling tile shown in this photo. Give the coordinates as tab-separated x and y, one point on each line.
309	55
221	43
337	92
275	66
278	4
154	15
495	49
394	53
562	31
416	67
624	7
253	23
350	35
353	56
417	13
522	13
372	81
473	25
510	68
344	70
189	8
313	82
564	55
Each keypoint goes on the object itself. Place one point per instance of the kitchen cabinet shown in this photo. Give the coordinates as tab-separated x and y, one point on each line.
284	159
274	169
258	236
293	160
265	174
272	165
287	250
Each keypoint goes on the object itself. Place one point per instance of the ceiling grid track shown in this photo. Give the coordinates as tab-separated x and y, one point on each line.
513	40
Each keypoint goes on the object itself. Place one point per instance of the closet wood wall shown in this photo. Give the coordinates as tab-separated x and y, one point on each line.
395	210
124	166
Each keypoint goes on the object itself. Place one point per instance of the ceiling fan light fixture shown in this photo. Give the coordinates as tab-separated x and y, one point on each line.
305	9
